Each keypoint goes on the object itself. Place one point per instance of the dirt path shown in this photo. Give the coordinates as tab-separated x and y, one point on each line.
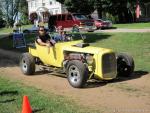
124	30
126	95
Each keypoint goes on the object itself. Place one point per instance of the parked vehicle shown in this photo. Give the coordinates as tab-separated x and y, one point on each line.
78	60
69	20
34	29
101	24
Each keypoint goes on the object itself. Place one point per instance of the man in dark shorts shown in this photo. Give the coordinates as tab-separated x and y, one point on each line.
43	38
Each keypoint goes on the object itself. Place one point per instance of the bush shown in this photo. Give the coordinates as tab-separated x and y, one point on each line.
25	20
114	19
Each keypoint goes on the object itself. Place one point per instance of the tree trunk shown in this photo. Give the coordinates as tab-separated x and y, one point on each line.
99	11
99	8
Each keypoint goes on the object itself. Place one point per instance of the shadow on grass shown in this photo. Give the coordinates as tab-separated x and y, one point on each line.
8	93
5	93
94	37
135	75
7	101
10	56
37	110
109	28
6	42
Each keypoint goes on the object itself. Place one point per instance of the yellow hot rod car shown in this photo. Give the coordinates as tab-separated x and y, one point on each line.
79	61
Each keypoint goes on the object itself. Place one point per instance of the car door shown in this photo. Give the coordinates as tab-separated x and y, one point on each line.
69	20
59	22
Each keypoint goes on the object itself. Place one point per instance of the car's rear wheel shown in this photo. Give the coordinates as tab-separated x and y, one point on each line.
125	64
77	73
27	64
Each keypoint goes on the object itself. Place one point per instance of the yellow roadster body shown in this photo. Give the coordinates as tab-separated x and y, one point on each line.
104	61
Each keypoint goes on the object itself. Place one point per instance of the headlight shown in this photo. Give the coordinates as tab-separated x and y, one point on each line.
89	59
82	23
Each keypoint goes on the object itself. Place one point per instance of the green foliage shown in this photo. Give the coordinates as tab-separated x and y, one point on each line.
2	22
11	9
24	19
23	9
119	10
79	6
133	25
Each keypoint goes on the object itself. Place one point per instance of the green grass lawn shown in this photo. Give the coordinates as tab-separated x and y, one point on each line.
135	44
10	30
11	95
6	30
133	25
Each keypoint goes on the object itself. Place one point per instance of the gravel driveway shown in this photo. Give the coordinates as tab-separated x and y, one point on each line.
124	30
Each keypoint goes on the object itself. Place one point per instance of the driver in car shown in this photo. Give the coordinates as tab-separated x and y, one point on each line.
43	38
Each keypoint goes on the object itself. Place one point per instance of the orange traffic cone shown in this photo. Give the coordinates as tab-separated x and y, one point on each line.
26	108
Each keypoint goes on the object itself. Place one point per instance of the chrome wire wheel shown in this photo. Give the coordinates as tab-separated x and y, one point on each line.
74	74
24	65
77	73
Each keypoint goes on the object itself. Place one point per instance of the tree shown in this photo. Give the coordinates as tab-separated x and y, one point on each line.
23	10
124	10
2	22
79	6
10	10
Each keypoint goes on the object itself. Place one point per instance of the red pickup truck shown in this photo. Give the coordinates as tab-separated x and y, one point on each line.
71	19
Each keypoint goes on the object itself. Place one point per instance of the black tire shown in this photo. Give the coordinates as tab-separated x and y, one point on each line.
27	64
125	65
77	73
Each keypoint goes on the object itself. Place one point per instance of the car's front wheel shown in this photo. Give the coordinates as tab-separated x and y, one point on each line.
77	73
27	64
125	64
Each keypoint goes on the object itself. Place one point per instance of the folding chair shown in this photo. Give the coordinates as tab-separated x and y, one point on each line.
19	40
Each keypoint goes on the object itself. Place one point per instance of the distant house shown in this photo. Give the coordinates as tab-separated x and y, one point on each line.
41	9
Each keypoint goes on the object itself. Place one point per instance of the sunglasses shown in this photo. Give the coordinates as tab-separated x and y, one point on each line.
42	30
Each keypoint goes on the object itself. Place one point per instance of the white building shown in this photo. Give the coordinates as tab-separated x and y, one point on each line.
40	9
